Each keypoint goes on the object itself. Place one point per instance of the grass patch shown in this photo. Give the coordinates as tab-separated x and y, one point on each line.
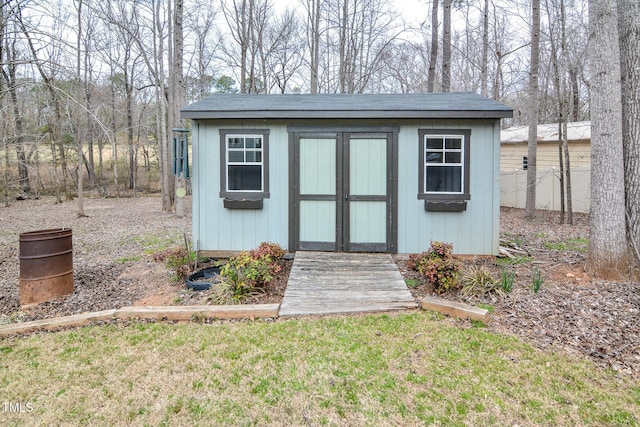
128	259
578	244
401	369
514	238
516	260
154	242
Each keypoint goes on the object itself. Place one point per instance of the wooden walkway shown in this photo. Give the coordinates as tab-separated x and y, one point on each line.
335	282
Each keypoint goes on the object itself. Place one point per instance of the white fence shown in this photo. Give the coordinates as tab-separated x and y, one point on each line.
513	189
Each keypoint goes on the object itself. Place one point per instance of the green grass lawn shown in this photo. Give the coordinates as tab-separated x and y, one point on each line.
400	369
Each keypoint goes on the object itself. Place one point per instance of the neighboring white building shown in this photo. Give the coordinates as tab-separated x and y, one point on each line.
513	164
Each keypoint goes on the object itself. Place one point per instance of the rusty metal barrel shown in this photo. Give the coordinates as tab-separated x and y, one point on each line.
46	265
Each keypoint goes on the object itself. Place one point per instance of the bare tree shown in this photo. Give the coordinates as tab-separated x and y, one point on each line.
48	77
9	75
607	255
484	73
313	10
629	39
433	58
530	206
177	90
446	46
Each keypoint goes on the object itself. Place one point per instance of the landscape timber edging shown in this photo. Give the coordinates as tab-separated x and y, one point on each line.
177	313
456	309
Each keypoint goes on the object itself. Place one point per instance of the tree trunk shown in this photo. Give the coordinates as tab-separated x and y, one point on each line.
433	57
564	106
484	72
446	46
313	16
79	97
178	91
530	206
629	39
607	255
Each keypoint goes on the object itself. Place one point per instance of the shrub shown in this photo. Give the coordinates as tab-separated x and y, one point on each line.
246	272
478	281
177	259
437	265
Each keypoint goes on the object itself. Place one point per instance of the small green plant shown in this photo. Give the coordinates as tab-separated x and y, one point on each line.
412	283
128	259
245	273
516	260
438	266
478	281
536	280
507	277
514	238
577	244
177	259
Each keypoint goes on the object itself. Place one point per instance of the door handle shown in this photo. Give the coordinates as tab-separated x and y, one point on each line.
346	197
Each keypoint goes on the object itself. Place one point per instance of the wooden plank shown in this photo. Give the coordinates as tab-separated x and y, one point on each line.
56	323
189	312
326	283
455	309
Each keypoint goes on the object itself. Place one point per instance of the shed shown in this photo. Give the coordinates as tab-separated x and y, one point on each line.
347	172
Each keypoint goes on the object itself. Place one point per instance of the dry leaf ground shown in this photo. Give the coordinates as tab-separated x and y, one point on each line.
113	267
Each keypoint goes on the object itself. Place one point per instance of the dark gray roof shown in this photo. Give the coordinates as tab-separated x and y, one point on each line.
347	106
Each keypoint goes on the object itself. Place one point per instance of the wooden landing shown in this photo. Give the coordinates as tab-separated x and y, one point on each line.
333	283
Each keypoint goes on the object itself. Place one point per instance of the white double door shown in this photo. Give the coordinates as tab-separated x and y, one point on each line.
343	191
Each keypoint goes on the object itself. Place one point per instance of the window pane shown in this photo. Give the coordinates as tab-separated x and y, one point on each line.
434	143
244	177
254	156
446	179
453	143
254	142
236	142
236	156
453	157
434	157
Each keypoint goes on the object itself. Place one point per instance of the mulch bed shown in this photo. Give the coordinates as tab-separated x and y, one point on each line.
572	311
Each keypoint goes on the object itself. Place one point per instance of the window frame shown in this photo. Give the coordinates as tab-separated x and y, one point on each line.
438	196
242	195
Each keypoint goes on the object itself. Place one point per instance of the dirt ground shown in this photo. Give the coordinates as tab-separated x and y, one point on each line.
114	267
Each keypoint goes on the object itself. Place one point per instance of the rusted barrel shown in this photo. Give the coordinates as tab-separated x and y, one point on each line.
46	265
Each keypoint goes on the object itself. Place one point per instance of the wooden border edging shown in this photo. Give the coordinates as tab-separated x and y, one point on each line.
188	312
455	309
55	323
179	313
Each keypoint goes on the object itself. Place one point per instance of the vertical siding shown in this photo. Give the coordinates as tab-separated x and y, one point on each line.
217	228
474	231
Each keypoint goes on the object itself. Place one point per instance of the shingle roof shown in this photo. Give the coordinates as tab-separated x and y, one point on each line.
356	106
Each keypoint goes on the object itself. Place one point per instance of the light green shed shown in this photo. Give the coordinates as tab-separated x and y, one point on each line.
351	173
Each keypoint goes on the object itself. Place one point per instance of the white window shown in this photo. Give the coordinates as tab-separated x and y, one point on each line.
444	164
244	163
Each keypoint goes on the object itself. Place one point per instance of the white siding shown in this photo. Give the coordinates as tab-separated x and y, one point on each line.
217	228
474	231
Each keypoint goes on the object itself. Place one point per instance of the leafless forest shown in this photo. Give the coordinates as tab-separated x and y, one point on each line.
90	89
